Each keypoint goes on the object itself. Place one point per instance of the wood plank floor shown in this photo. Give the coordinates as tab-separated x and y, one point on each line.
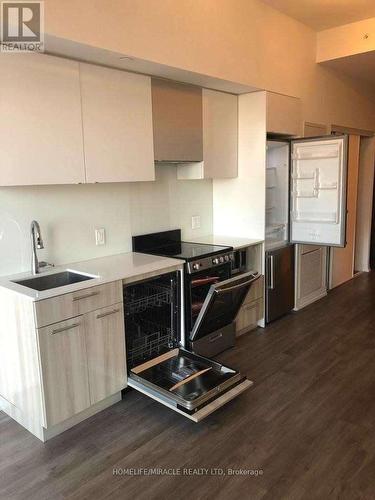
308	423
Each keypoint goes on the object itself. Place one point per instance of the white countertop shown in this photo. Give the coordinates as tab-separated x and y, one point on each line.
232	241
124	266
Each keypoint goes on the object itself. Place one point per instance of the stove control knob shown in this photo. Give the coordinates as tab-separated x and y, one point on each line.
226	258
215	261
196	266
221	260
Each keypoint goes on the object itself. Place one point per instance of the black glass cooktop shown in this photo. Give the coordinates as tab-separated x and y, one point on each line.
169	244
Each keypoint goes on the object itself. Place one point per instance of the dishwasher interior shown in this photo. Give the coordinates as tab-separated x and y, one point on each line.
158	365
152	319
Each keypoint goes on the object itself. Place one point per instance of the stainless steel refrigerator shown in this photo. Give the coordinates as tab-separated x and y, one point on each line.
305	204
280	282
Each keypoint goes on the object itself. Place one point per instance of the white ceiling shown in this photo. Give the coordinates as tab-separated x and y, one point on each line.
323	14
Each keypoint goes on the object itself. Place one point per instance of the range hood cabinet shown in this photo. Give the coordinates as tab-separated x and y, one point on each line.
177	122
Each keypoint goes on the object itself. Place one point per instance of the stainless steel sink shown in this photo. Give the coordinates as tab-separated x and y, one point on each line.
56	280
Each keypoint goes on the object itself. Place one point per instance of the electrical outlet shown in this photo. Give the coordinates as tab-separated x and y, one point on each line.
195	222
100	236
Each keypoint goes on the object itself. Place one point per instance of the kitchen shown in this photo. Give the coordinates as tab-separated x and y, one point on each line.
178	170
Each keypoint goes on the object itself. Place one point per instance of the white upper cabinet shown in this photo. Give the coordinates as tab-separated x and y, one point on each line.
318	191
117	125
40	127
220	138
220	134
284	114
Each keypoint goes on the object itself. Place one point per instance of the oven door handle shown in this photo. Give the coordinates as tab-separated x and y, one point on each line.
219	290
235	287
215	293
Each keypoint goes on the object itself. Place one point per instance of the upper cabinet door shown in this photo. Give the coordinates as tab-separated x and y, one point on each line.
318	191
284	114
220	134
177	119
220	139
117	125
40	127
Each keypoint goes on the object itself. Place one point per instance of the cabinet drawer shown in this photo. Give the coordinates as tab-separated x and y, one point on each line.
249	316
80	302
256	291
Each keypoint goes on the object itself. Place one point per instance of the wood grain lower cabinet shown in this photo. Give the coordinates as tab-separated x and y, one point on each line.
63	359
252	309
311	274
82	359
58	308
249	316
256	291
105	343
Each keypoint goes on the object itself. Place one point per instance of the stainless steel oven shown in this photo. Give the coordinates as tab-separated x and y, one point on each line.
205	265
197	286
239	262
213	330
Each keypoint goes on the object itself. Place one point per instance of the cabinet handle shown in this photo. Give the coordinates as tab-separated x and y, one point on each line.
66	328
271	285
103	315
87	296
215	337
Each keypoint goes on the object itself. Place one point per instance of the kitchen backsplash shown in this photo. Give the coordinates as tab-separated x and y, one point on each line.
68	216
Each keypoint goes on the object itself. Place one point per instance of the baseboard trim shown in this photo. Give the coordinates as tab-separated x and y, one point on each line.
309	300
44	434
57	429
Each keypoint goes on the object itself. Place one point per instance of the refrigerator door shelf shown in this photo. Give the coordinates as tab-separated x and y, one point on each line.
318	191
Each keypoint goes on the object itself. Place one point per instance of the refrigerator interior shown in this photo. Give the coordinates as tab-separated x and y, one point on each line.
277	194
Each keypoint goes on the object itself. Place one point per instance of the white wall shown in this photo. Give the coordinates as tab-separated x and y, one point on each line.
68	216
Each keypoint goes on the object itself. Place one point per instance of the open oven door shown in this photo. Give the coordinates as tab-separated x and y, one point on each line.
214	328
190	384
318	190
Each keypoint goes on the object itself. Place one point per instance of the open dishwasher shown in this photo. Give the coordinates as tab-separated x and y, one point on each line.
162	363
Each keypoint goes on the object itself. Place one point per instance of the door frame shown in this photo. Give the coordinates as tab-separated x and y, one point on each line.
364	208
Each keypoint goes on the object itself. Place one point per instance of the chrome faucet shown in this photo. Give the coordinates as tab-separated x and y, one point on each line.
36	244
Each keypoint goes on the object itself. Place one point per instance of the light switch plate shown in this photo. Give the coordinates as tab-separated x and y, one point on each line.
100	236
195	222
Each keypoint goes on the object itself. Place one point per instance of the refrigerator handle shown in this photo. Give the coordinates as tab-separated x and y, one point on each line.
271	274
